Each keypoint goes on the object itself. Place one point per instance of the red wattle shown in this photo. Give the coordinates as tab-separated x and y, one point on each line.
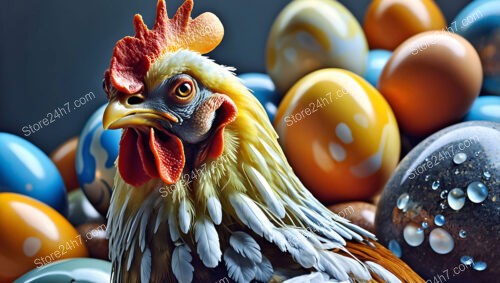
129	161
169	155
147	156
144	157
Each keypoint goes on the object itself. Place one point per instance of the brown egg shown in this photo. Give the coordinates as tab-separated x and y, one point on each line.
390	22
359	213
64	159
94	236
376	199
431	81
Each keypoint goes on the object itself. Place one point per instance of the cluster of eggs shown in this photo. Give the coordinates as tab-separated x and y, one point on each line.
52	209
345	113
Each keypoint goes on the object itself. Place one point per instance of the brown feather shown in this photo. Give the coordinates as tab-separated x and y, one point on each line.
386	259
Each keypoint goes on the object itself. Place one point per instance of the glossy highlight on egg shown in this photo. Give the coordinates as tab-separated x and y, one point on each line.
313	34
339	134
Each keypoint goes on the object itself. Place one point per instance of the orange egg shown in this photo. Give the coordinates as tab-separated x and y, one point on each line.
64	159
390	22
339	134
431	81
33	234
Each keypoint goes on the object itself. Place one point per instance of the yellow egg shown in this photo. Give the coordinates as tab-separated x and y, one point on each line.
313	34
339	134
33	234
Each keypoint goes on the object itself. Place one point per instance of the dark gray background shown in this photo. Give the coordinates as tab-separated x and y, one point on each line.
53	52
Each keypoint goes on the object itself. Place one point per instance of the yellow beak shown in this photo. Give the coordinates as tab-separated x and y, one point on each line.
122	115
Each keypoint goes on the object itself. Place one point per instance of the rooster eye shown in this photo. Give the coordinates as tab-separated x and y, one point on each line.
184	90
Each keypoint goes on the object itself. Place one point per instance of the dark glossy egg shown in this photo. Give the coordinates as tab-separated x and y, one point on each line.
94	236
439	211
81	210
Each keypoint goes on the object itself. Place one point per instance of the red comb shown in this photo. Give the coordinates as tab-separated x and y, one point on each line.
133	56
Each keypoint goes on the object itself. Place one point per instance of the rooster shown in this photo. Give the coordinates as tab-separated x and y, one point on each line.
244	215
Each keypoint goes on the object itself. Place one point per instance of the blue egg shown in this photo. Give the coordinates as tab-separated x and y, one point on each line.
70	270
27	170
377	59
479	23
95	158
263	88
485	108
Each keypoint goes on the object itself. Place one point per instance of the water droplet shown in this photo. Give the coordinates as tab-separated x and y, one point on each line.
427	177
443	194
395	248
412	235
487	175
441	241
439	220
443	205
457	171
477	153
435	185
425	225
477	192
479	265
456	199
467	260
402	201
459	158
462	234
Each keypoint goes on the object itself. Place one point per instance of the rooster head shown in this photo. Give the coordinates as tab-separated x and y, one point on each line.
172	102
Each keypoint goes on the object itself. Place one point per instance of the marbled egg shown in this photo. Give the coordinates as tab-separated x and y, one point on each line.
70	270
390	22
431	81
485	108
439	211
359	213
33	235
27	170
263	88
313	34
81	210
479	23
339	135
64	159
376	62
95	161
94	236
